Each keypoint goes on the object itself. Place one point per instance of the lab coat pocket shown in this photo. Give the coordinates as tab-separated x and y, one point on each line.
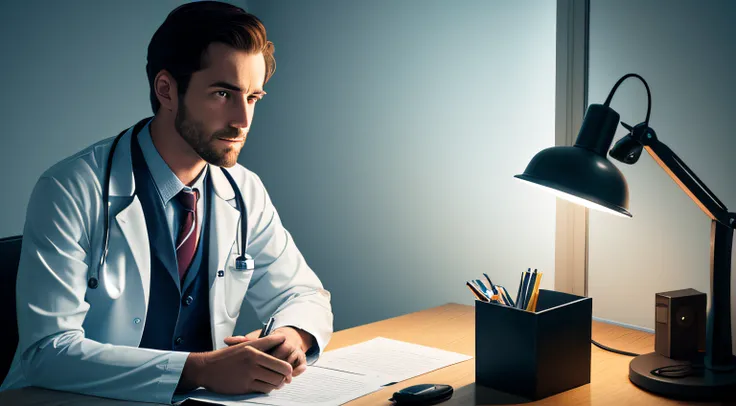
236	284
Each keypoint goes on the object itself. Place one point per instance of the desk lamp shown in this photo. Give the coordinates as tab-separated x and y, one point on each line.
583	175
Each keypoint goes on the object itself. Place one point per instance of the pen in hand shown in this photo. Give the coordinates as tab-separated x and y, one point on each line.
266	330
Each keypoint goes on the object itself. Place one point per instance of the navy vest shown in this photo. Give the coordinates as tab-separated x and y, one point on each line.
176	320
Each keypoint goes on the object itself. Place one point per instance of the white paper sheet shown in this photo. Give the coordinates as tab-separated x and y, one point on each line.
397	360
345	374
315	387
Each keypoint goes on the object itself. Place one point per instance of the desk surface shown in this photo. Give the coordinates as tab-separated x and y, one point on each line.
451	327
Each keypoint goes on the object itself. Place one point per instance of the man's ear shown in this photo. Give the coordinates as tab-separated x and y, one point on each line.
166	92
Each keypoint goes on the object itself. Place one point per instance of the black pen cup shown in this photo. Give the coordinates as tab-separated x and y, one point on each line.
534	354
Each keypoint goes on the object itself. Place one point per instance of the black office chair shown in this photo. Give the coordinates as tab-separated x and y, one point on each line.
9	259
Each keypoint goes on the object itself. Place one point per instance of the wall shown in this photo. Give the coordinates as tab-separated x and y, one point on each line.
686	51
389	139
73	73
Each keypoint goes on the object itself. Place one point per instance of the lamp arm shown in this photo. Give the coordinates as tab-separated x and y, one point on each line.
668	161
686	179
718	354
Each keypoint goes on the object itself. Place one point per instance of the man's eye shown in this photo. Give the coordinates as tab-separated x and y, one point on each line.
223	94
253	99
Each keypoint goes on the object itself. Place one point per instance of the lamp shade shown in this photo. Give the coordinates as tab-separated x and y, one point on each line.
581	173
581	176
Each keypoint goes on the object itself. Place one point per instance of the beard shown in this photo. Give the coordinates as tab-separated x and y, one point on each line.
192	131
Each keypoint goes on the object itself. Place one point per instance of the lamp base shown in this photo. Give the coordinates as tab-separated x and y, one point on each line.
704	384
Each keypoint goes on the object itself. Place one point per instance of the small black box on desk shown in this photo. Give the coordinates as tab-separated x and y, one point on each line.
534	354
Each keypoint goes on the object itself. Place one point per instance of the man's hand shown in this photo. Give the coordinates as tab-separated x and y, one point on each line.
238	369
292	350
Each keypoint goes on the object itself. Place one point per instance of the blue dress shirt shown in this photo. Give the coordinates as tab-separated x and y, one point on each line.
168	186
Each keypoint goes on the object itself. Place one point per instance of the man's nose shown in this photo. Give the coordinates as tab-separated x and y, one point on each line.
241	117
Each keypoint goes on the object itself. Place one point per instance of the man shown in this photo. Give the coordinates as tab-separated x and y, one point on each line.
155	311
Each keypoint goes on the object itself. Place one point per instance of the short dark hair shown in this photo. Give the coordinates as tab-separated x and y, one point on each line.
180	43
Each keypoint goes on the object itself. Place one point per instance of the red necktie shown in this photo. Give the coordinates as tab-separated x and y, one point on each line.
186	244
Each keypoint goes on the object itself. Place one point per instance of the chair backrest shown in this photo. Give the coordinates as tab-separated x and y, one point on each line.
9	259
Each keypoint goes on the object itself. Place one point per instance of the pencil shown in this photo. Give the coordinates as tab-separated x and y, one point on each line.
518	294
535	296
478	295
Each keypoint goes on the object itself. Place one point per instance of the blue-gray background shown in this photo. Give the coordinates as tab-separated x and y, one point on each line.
388	139
686	51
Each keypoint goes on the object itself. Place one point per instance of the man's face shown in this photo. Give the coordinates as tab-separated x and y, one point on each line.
217	110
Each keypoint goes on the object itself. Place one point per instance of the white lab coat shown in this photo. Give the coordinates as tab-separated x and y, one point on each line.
86	340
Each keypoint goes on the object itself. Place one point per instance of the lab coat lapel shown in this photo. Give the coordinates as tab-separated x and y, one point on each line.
133	225
130	217
223	231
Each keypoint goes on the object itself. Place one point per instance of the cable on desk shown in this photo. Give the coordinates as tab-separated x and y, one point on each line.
679	371
669	371
607	348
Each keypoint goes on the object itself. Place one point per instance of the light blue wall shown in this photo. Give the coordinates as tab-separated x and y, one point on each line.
388	139
73	73
686	51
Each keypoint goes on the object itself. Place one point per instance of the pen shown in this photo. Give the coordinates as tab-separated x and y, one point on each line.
524	287
478	295
529	292
266	330
535	285
478	288
483	290
498	298
493	287
495	290
483	287
535	295
518	293
506	295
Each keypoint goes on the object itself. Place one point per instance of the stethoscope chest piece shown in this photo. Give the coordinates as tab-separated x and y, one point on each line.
244	263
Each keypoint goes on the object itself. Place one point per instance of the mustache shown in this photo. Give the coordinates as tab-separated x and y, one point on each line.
229	133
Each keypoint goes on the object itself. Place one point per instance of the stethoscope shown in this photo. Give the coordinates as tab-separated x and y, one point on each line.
243	262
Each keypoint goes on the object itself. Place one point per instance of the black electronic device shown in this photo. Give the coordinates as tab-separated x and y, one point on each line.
680	323
421	395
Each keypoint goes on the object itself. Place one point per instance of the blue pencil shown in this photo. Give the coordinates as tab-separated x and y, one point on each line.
506	295
518	293
493	287
483	287
524	288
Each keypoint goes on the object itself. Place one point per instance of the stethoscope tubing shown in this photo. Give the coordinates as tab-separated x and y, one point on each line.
243	261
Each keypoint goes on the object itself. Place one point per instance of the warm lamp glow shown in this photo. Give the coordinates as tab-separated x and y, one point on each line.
575	199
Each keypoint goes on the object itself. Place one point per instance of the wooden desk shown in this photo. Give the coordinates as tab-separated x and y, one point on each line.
451	327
